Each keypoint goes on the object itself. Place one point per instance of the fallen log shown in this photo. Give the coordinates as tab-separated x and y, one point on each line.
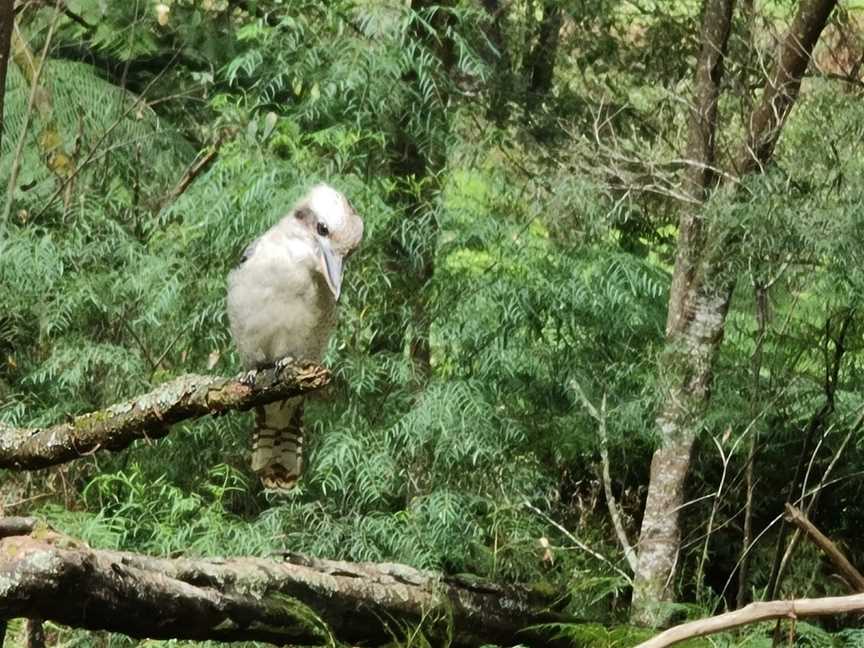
293	600
150	415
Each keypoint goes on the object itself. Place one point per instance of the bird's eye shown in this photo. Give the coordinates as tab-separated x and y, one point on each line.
322	229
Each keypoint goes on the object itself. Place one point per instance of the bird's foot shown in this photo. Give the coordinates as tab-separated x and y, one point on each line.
249	377
282	363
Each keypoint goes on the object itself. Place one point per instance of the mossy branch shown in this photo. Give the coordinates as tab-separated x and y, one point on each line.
150	415
292	599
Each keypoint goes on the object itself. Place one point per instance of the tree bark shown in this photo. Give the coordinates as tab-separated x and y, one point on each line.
294	600
694	327
780	93
699	297
7	20
149	415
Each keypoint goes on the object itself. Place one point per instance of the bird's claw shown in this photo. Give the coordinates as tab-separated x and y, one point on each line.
249	377
282	363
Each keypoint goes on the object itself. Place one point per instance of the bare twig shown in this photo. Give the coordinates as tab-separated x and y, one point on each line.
579	543
811	504
700	571
195	169
31	102
611	503
139	100
833	363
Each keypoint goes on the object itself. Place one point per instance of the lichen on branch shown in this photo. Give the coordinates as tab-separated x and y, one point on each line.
150	415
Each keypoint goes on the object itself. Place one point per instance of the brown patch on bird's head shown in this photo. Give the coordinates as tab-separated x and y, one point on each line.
336	228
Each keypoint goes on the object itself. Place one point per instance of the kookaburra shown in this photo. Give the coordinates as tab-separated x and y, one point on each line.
282	303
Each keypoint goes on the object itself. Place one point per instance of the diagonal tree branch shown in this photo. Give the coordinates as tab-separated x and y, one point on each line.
149	416
851	575
782	88
293	600
756	612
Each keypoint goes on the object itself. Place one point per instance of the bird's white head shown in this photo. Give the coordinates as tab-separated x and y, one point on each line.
335	227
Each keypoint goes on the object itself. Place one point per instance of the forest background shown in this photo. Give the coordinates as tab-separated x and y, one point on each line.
541	182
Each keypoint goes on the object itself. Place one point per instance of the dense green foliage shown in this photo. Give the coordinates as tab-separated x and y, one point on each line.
511	262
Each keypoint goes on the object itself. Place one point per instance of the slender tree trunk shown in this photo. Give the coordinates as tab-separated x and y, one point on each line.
7	19
540	68
782	89
699	298
500	62
760	294
418	169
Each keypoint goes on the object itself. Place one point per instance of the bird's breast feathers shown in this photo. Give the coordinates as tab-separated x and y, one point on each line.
278	303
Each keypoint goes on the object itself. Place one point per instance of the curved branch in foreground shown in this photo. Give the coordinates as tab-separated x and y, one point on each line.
295	600
148	416
754	613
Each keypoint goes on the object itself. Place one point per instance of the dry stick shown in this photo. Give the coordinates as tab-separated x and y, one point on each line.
814	499
754	613
579	543
833	363
747	536
760	291
852	575
611	503
816	490
89	157
31	102
700	571
796	537
149	415
195	169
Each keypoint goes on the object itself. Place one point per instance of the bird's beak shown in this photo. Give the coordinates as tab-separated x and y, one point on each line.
331	266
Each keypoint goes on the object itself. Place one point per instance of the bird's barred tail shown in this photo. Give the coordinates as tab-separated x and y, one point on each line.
277	444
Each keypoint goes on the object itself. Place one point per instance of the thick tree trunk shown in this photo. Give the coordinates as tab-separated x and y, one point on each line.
782	89
291	600
699	299
694	327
